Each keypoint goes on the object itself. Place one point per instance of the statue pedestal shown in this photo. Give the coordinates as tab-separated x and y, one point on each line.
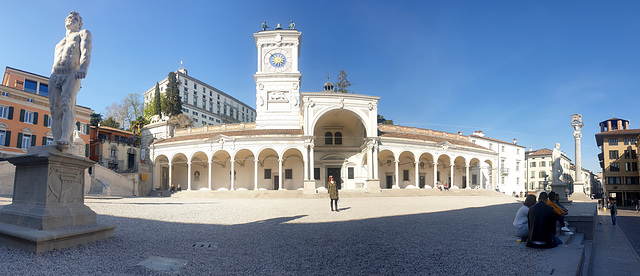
373	185
560	189
309	187
48	211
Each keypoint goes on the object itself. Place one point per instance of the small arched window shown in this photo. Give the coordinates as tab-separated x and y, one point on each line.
338	139
328	138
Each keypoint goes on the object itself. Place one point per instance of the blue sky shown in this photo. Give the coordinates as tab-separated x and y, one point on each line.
514	69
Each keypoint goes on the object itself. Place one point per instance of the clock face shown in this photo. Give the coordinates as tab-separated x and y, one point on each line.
277	60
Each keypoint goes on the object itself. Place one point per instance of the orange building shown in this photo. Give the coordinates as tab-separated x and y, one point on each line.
114	149
25	119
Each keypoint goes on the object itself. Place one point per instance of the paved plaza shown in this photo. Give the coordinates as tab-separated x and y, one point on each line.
459	233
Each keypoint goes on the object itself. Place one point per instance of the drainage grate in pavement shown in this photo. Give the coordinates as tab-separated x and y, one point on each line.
205	245
163	264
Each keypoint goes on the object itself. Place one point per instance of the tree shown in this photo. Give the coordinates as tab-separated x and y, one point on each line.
173	103
127	110
382	120
138	124
343	83
111	122
157	101
96	118
181	121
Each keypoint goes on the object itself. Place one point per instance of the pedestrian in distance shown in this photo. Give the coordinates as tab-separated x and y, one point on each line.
333	193
613	209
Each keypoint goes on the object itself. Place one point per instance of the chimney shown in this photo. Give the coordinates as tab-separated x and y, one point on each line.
530	148
478	133
515	141
459	132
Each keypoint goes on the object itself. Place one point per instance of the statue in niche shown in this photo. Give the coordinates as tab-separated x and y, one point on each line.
70	65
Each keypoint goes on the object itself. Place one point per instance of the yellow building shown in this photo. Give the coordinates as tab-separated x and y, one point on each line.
619	160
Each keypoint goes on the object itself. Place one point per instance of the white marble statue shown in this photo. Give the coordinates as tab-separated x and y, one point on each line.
70	65
557	167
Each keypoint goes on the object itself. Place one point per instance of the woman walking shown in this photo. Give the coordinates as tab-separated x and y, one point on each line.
333	193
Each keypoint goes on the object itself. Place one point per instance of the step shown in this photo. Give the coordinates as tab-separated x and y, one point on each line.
576	239
588	249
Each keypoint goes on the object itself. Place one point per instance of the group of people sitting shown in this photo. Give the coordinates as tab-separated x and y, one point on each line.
173	188
536	222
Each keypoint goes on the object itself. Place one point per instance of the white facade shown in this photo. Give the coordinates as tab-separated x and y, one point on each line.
299	139
539	164
204	103
511	164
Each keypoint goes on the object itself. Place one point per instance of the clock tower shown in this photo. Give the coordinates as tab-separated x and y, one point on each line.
278	79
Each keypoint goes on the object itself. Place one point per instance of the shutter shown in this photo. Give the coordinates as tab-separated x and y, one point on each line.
44	140
46	120
21	115
86	150
7	139
19	140
87	129
10	113
35	118
78	125
33	140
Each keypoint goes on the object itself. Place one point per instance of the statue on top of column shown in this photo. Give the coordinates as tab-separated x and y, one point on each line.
576	123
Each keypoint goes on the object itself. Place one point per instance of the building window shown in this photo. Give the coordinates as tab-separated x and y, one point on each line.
30	86
533	174
195	101
328	138
613	141
195	85
316	173
28	117
186	82
29	100
517	166
533	164
350	173
614	167
4	111
6	94
44	90
405	175
613	154
632	180
542	174
267	173
185	98
627	166
634	166
288	174
49	141
3	136
502	180
542	163
186	90
338	138
517	151
503	148
26	141
613	180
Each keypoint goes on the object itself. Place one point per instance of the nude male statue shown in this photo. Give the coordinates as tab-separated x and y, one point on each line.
70	64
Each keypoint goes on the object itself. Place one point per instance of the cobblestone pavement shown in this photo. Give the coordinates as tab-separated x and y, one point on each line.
425	235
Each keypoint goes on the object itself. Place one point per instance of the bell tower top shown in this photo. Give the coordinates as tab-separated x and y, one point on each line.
278	78
278	50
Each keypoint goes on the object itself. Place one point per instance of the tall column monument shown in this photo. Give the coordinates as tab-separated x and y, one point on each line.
576	123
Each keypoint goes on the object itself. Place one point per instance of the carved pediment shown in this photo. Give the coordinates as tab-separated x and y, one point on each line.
445	145
27	130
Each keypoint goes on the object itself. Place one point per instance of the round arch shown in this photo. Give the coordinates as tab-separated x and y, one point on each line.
318	116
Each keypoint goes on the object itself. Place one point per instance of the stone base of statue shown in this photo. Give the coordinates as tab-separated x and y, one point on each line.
309	187
560	189
373	185
48	211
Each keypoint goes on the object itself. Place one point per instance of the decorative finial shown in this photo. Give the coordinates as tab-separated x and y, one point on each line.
278	27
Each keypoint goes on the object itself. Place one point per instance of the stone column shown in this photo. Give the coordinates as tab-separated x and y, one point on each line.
210	178
312	164
306	162
435	174
376	166
417	176
233	175
397	184
370	162
170	174
451	184
255	174
467	173
576	122
280	176
189	176
481	177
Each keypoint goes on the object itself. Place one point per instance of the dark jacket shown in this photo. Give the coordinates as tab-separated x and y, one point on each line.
613	209
542	226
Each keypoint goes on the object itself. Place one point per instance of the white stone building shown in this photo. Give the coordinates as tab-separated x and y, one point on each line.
511	176
204	103
300	138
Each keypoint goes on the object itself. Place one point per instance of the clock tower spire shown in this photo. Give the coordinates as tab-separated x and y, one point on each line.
278	79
